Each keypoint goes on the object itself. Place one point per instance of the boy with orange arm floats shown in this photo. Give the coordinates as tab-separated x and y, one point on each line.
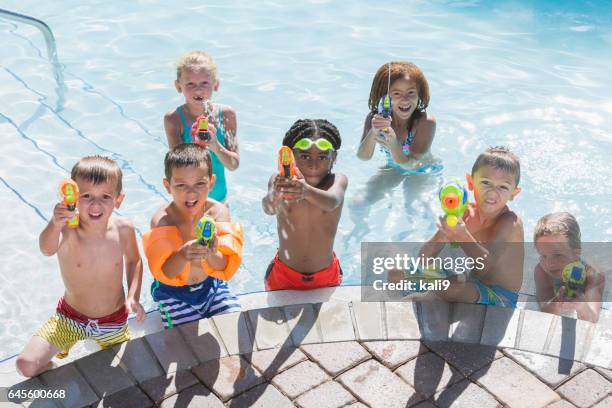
192	248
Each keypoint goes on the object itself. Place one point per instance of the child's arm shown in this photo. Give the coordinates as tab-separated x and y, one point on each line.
433	247
271	201
51	237
588	306
228	154
544	291
326	200
133	268
173	129
368	138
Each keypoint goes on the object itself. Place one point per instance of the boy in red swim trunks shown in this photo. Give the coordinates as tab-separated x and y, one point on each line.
307	209
91	259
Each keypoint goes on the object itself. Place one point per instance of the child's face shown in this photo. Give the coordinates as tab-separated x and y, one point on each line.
314	163
97	201
196	85
405	97
493	188
189	187
555	253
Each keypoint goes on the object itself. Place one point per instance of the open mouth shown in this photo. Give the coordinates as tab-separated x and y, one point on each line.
95	215
191	204
198	98
404	108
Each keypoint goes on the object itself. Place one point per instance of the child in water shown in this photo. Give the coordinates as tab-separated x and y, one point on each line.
404	135
196	79
92	259
307	209
557	240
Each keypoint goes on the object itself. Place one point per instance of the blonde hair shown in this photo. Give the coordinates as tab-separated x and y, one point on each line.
562	223
196	60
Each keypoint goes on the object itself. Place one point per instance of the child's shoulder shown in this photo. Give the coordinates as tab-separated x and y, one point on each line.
426	122
217	210
162	218
510	224
123	225
172	117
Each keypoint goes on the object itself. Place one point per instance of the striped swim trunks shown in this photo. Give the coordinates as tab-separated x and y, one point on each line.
183	304
68	326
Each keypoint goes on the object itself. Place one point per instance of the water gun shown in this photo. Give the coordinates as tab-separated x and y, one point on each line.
69	193
286	162
384	106
454	201
573	278
205	231
199	131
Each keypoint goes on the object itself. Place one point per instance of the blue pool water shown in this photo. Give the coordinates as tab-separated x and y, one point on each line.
525	75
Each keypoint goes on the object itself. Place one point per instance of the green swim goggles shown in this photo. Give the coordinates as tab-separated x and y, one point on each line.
321	144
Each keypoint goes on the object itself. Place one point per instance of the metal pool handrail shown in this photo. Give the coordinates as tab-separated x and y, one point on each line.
51	49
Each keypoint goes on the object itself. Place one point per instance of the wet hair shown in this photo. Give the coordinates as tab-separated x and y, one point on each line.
560	223
196	60
501	158
399	69
185	155
98	170
312	129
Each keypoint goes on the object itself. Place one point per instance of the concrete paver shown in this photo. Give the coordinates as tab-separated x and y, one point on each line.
300	378
586	388
336	357
394	353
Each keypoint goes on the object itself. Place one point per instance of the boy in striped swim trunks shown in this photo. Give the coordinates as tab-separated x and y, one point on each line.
91	257
191	278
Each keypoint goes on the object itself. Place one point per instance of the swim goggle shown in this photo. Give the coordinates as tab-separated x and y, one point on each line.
321	144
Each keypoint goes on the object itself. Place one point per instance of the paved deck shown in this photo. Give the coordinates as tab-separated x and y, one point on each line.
326	348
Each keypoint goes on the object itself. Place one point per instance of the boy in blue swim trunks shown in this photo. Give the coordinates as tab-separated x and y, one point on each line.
191	278
196	79
489	231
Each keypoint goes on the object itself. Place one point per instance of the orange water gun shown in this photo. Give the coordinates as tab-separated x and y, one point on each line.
69	192
286	162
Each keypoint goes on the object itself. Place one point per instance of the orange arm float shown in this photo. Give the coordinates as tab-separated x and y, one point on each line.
159	244
229	243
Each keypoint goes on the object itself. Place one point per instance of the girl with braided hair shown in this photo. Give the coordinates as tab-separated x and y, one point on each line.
307	208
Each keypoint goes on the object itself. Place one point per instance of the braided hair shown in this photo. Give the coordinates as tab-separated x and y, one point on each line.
312	129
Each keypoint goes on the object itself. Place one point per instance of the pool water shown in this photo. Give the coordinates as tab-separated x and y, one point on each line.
527	76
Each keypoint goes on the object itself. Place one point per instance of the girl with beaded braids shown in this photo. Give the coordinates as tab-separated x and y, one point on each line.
307	209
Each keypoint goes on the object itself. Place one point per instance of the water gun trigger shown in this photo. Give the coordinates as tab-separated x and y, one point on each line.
69	193
286	162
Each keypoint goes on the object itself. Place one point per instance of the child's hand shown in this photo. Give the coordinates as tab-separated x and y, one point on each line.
61	215
379	123
294	189
134	306
194	251
458	233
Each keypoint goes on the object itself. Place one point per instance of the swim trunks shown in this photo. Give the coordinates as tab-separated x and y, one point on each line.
219	191
279	276
68	326
182	304
494	295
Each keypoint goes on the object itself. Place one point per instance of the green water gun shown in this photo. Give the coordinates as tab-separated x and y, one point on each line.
454	201
69	192
205	231
573	278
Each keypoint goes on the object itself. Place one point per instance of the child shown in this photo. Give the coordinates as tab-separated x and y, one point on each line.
196	78
91	259
557	240
190	278
489	233
307	209
404	137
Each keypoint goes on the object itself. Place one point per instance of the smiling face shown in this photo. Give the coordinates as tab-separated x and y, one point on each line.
555	253
405	97
314	163
189	187
197	85
97	201
493	188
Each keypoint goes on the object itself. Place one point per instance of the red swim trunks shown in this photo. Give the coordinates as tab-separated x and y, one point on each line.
279	276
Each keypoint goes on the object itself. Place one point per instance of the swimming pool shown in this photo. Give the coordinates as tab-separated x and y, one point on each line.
521	75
